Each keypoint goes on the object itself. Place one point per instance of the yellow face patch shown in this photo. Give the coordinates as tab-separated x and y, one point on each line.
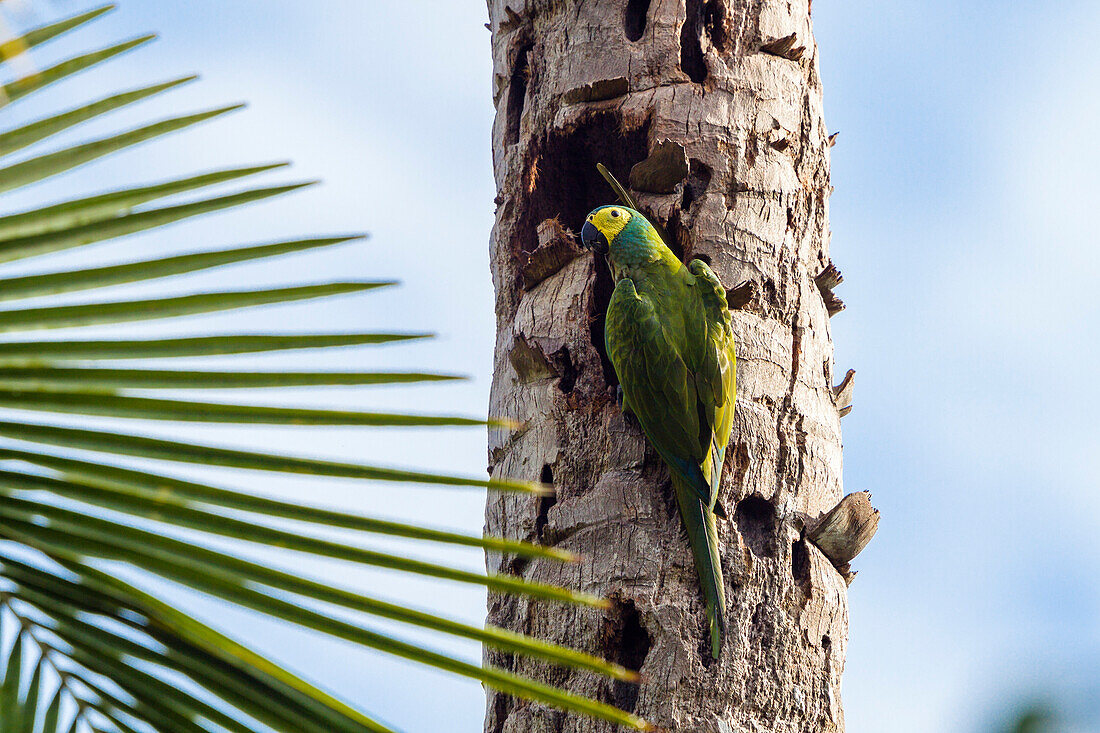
610	221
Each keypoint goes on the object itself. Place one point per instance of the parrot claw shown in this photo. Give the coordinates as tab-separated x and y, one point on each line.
619	395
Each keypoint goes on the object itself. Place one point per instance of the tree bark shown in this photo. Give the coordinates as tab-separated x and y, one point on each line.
743	183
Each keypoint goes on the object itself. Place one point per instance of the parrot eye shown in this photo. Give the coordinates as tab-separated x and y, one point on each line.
614	212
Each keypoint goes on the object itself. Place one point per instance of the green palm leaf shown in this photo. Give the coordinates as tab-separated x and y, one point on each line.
55	283
55	239
87	651
70	214
61	351
143	492
27	85
179	452
51	164
31	133
35	377
38	36
94	314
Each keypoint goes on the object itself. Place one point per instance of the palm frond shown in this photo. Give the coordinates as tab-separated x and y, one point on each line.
62	351
33	132
90	209
112	486
31	83
85	378
85	650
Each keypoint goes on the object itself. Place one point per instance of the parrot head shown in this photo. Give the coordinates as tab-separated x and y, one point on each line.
604	224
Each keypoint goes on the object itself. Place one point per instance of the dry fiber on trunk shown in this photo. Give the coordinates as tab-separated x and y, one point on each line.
712	110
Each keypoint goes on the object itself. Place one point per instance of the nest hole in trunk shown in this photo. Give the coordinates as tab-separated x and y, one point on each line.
562	182
692	61
634	20
625	641
517	94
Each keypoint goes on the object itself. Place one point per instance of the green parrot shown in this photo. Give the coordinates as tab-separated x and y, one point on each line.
669	336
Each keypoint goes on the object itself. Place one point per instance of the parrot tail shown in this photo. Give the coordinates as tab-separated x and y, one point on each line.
703	536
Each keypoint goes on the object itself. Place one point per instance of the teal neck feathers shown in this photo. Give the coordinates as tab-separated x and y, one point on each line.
637	246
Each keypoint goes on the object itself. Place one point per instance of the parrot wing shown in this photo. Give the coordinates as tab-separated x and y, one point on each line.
661	391
657	385
715	369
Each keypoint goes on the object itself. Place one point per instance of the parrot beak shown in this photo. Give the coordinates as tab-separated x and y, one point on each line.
593	239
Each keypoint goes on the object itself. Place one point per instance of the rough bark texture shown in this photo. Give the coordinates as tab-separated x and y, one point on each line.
735	84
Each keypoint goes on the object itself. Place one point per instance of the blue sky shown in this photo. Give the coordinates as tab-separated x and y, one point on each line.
965	184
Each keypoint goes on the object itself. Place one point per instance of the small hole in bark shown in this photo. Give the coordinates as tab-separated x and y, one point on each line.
699	175
625	641
518	565
544	504
563	362
826	643
771	295
714	17
691	50
517	95
556	717
758	616
762	626
702	257
678	238
756	521
688	197
800	565
635	19
751	149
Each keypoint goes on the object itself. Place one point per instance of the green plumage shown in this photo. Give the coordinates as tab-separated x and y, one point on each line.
668	334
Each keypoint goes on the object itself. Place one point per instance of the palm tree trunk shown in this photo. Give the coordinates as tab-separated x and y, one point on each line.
712	109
